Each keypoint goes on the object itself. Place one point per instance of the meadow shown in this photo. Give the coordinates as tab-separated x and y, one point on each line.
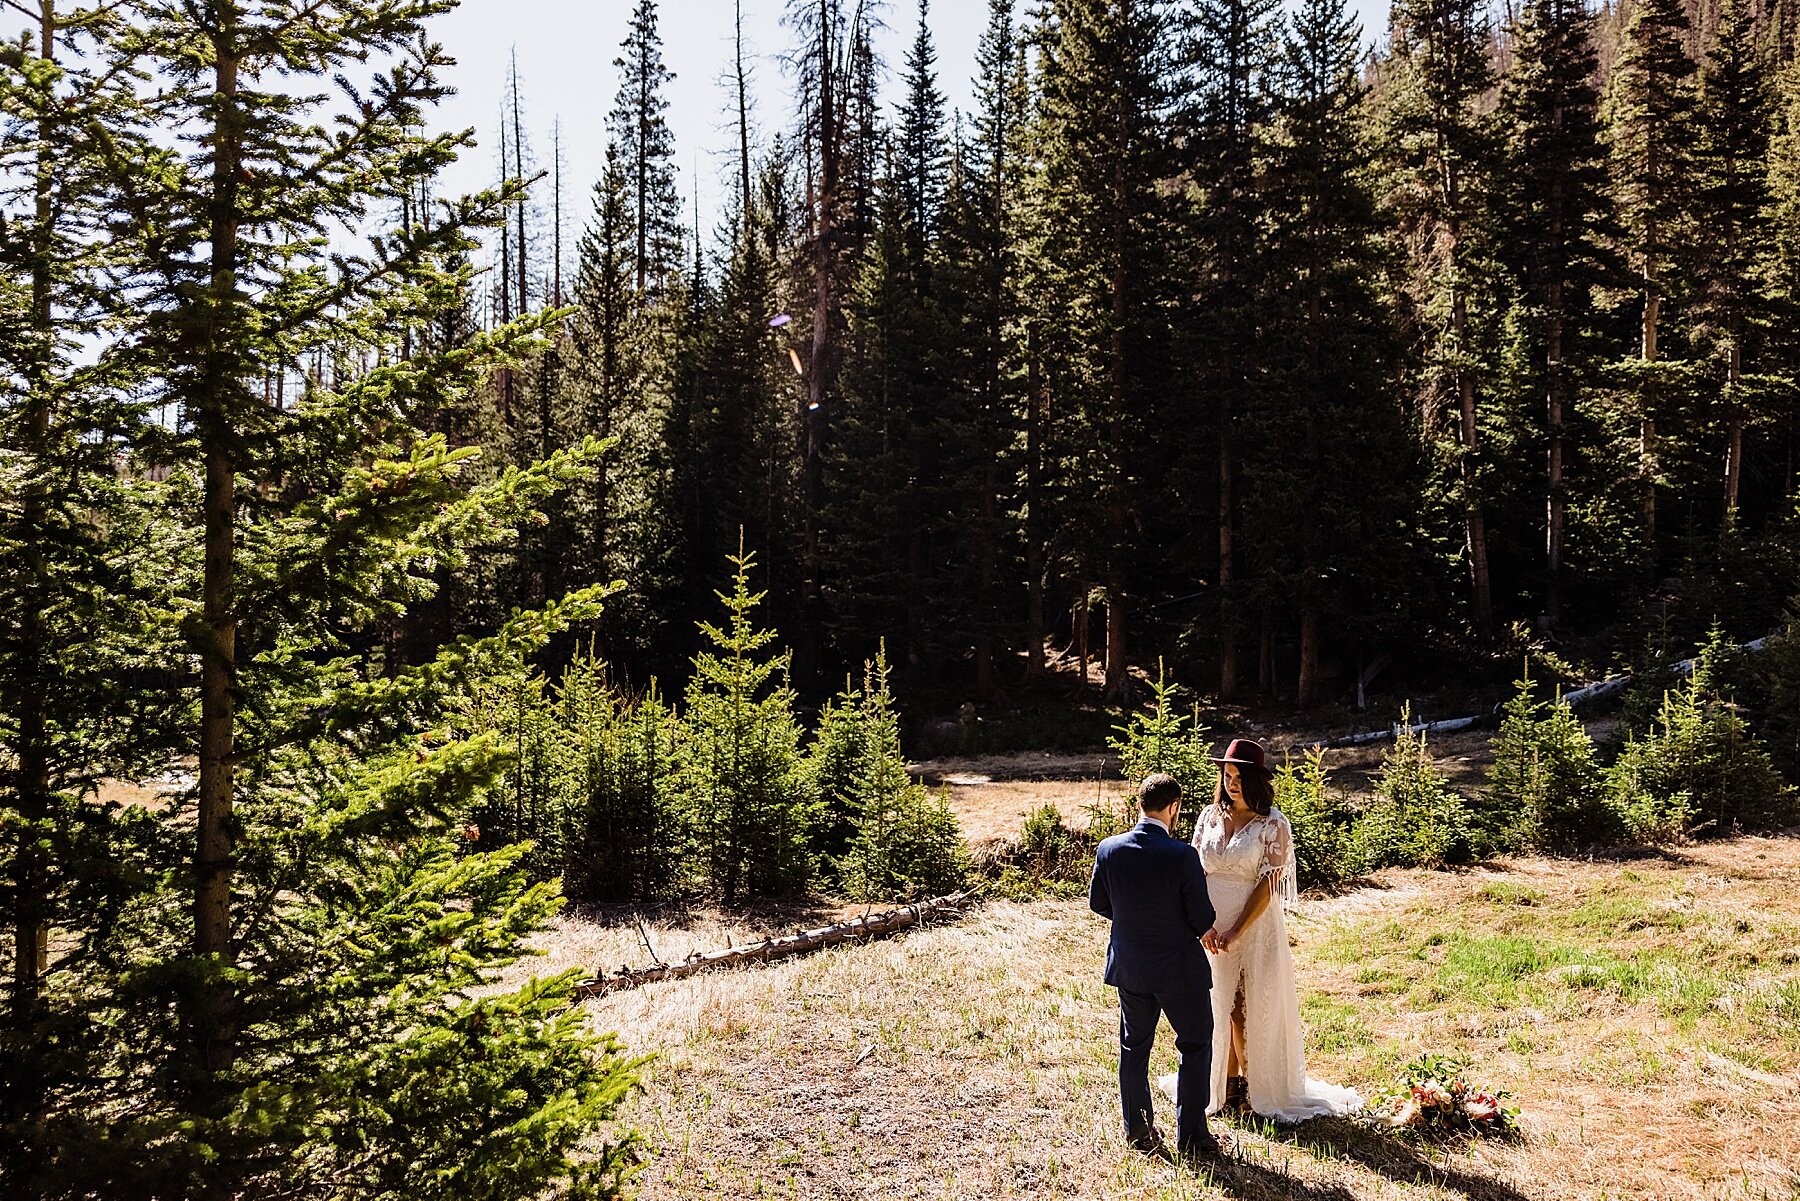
1643	1012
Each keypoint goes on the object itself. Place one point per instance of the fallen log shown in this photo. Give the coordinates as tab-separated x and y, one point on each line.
1577	696
872	925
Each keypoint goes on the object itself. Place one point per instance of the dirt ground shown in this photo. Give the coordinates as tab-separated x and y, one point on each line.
1644	1013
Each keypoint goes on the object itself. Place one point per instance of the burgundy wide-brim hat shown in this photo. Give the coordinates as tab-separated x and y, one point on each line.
1244	753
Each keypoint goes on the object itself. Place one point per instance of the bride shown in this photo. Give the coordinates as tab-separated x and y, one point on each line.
1247	849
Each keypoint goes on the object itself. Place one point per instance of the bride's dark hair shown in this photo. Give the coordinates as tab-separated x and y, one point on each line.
1259	789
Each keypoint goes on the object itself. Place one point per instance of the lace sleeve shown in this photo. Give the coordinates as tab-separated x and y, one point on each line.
1278	858
1209	817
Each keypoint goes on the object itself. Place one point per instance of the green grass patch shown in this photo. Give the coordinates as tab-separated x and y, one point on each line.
1333	1026
1499	892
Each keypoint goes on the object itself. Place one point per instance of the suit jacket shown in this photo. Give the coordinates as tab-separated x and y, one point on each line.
1152	886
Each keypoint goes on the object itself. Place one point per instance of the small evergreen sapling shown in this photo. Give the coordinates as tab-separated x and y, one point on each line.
1416	820
1164	739
753	804
907	842
1546	789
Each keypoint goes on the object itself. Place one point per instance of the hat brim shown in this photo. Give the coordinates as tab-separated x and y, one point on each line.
1244	763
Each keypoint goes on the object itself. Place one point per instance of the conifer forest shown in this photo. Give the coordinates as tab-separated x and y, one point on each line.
381	565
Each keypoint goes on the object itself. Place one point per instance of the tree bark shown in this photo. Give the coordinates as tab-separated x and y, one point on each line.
813	419
1037	414
1734	428
215	1033
797	943
1647	419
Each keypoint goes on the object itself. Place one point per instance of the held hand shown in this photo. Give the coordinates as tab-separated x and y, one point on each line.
1210	940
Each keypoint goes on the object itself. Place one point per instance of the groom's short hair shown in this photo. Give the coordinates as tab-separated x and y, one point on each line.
1158	791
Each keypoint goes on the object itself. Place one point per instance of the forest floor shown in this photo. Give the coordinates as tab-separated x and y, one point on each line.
1644	1013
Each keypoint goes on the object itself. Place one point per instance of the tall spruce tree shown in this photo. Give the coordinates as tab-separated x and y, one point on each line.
1232	45
1554	209
754	805
639	127
1445	155
87	571
979	277
1102	226
296	988
1731	202
1649	118
1327	456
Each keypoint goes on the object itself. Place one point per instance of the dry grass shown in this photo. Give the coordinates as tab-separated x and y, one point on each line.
992	795
1646	1014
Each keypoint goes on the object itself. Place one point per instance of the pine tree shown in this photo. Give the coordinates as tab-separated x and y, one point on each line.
888	512
754	809
639	128
1554	213
1731	201
1323	464
1101	233
1446	161
979	281
920	152
299	1029
87	569
1233	45
833	64
1649	116
607	374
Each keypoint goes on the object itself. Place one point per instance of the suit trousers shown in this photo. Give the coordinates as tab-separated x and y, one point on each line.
1190	1013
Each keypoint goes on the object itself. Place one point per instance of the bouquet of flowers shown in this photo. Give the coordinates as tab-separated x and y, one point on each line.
1436	1097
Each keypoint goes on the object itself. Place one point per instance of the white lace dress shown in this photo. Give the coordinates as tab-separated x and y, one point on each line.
1260	964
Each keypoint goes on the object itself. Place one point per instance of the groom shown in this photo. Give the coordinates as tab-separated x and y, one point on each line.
1151	885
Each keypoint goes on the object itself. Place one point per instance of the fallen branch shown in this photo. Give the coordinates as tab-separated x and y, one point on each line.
868	926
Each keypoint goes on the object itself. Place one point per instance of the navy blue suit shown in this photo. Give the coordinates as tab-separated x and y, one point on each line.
1151	885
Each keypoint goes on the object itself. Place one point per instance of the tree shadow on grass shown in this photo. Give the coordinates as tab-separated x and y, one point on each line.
1346	1138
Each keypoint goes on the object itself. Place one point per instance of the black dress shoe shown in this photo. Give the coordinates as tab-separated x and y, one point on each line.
1201	1152
1145	1137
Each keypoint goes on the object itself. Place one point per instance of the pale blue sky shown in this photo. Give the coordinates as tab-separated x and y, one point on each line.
566	49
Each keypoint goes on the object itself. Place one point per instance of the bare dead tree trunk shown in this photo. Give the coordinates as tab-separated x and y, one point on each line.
1734	427
797	943
743	122
518	145
824	235
1037	409
556	230
1555	500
